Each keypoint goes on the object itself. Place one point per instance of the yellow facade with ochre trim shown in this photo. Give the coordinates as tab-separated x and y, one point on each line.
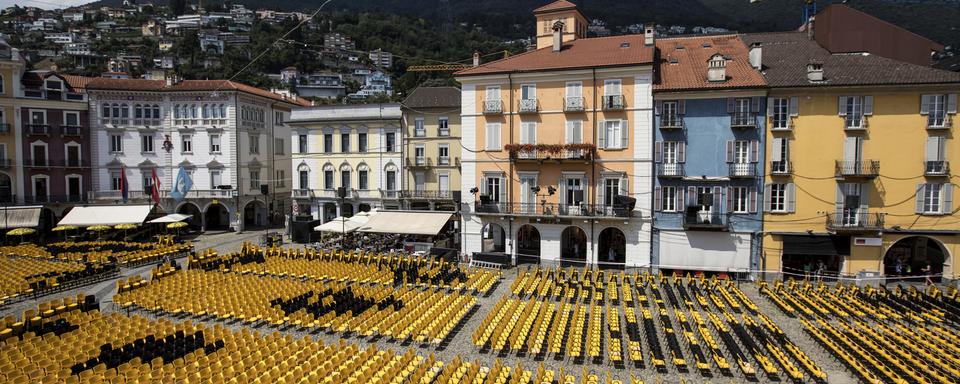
896	136
10	72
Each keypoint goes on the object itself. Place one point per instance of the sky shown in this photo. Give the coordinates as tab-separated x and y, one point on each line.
45	4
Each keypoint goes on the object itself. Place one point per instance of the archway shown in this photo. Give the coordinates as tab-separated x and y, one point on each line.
218	218
364	208
196	219
346	210
915	256
494	238
47	219
573	244
329	211
612	246
528	244
254	214
6	189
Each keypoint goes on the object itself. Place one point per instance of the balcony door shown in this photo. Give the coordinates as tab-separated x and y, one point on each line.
528	198
851	203
73	155
73	188
573	194
853	155
419	181
40	188
703	204
443	181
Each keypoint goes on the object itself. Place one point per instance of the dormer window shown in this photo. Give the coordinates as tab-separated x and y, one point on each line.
54	85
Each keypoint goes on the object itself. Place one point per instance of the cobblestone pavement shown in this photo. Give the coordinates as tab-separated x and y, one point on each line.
460	341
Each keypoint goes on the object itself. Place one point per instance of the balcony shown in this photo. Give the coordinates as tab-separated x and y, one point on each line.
6	163
855	123
427	195
944	121
573	104
203	194
552	210
37	163
699	220
116	195
4	128
71	130
864	169
71	163
541	153
444	161
38	129
117	122
492	107
781	168
389	194
419	162
443	132
670	170
614	103
855	220
147	123
671	123
40	199
528	106
936	168
742	120
742	170
420	132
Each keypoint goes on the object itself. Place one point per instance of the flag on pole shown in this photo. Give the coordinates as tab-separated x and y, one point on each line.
155	192
182	185
124	189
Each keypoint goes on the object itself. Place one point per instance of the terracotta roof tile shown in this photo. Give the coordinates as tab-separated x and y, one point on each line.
559	5
102	83
786	55
683	63
77	82
433	97
580	53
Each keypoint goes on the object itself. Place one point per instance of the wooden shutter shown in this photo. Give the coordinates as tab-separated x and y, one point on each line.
864	197
563	190
601	191
717	197
770	106
658	107
658	152
777	152
730	147
921	191
657	199
624	187
602	134
947	207
868	105
692	196
791	197
754	151
755	104
624	134
730	202
794	106
838	204
731	104
925	104
503	190
681	107
682	152
952	103
752	200
842	106
677	199
934	148
766	197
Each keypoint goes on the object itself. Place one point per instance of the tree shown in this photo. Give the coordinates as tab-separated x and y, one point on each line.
178	7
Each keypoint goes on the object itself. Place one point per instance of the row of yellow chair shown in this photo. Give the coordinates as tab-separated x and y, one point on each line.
17	273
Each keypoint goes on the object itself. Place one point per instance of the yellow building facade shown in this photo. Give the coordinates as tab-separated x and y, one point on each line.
432	149
858	180
11	68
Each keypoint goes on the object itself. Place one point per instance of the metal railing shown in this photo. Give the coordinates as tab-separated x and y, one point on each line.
38	129
670	170
706	220
36	163
443	132
147	122
419	162
492	107
936	168
861	168
427	194
743	120
614	102
741	170
6	163
781	168
940	122
443	160
40	199
528	106
126	121
581	210
533	154
71	130
4	127
671	122
573	104
202	194
855	220
116	195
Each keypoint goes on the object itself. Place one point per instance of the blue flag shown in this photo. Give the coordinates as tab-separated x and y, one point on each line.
181	186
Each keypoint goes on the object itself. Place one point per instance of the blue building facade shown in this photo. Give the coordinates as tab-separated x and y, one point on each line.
709	180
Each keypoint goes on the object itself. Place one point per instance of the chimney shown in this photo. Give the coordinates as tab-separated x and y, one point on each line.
476	59
717	68
557	36
756	56
810	23
648	31
815	71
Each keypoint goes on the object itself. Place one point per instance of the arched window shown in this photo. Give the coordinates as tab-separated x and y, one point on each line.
137	112
176	112
156	111
193	111
206	111
223	111
105	113
116	110
124	111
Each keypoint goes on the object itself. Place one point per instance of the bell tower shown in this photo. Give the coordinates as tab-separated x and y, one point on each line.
573	22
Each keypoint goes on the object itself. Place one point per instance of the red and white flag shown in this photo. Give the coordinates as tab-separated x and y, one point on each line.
155	193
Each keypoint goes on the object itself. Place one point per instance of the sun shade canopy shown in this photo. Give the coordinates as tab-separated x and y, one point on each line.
338	225
19	217
106	215
407	223
171	218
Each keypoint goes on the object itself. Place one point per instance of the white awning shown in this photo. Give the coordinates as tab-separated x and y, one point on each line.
171	218
106	215
407	223
338	225
708	251
19	217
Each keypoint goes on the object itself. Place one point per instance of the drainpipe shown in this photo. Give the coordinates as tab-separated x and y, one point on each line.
593	165
509	177
236	107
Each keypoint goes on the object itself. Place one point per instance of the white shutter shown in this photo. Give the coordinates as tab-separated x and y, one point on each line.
947	207
602	134
850	145
864	198
952	103
766	198
933	148
842	106
777	149
503	190
601	191
925	104
868	105
624	189
563	190
624	135
791	194
794	106
770	106
921	191
657	199
838	204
